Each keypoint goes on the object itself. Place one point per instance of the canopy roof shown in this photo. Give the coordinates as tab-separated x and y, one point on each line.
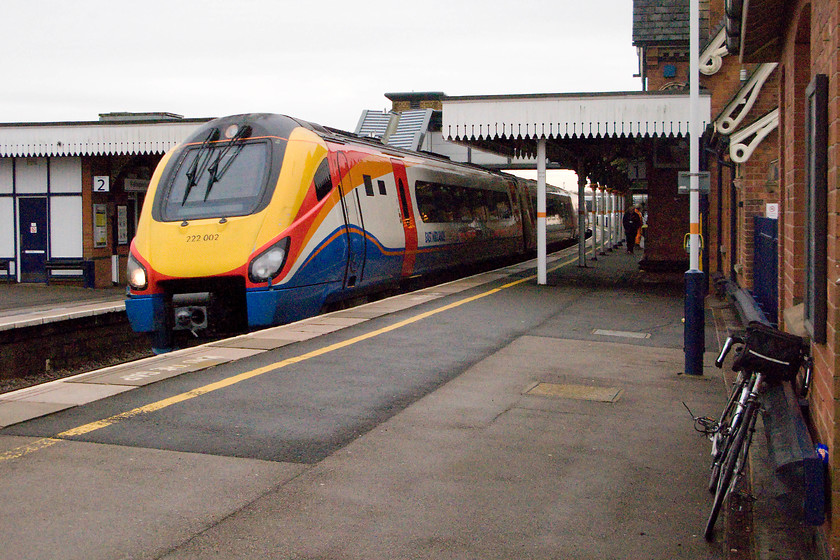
93	138
584	131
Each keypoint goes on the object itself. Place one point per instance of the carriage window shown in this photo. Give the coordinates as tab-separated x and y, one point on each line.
382	187
368	185
440	203
322	180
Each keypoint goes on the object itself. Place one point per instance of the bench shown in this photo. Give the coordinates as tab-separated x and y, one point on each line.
84	270
7	267
798	469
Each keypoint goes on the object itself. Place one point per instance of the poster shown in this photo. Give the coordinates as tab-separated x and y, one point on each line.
100	225
122	225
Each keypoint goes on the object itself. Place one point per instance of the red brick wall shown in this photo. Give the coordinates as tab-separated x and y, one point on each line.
667	218
751	186
811	47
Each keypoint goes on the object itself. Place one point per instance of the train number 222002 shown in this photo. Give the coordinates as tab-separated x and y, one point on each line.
206	237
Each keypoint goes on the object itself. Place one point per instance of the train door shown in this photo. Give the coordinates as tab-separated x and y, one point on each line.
407	215
353	223
32	228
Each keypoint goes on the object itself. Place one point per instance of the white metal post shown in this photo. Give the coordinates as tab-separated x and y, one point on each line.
581	221
694	134
695	322
619	212
541	249
603	218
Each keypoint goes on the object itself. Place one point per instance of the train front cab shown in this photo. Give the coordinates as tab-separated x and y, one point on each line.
197	261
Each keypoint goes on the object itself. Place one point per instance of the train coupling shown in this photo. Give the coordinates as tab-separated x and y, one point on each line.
191	311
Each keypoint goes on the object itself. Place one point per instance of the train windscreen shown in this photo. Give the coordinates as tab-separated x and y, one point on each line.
219	180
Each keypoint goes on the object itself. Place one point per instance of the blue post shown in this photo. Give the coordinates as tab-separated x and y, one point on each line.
695	322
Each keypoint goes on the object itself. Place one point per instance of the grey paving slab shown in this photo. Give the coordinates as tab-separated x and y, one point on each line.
288	333
363	312
336	321
252	342
145	372
314	327
109	502
12	412
61	392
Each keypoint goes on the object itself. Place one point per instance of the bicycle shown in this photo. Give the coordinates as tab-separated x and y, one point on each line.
767	355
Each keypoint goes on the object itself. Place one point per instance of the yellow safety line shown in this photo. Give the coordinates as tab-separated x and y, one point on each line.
227	382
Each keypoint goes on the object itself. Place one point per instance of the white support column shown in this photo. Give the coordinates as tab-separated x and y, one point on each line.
695	322
603	220
694	138
593	222
581	221
622	207
619	211
541	248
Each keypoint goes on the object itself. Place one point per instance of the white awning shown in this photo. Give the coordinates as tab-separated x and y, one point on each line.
74	139
558	116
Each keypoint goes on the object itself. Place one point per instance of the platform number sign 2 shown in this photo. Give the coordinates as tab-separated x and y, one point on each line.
101	183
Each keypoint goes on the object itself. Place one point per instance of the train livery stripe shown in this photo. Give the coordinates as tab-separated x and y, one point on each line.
339	233
44	443
409	227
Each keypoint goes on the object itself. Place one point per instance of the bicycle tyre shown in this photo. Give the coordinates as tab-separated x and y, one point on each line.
729	465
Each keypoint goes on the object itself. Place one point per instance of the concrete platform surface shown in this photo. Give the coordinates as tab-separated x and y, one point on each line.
559	433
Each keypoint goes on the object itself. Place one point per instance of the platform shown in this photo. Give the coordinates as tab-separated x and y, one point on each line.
485	418
23	305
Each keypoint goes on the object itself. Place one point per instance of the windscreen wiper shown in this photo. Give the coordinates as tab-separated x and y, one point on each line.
195	171
215	173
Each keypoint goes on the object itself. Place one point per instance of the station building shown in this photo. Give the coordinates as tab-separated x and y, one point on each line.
71	193
791	180
771	69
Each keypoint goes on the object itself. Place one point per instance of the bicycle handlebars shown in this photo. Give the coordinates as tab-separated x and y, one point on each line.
730	341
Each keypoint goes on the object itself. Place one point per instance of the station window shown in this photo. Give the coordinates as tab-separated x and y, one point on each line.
816	209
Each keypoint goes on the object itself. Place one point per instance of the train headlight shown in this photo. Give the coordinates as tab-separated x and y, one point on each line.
268	264
137	277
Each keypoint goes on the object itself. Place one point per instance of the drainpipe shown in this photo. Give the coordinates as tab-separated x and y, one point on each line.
733	213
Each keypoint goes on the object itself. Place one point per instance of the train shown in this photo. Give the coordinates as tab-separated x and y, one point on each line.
262	219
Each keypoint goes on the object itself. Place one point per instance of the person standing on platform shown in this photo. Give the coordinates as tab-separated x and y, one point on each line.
641	232
632	222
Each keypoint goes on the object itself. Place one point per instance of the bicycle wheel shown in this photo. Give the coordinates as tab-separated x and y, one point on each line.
731	464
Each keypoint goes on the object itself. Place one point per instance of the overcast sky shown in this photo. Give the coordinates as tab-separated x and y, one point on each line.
320	60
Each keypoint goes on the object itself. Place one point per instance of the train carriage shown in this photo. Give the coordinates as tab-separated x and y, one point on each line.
261	219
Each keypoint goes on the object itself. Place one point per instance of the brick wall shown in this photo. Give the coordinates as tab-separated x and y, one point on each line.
667	219
811	47
752	192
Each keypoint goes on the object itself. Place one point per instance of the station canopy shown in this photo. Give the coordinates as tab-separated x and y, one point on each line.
113	134
595	134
